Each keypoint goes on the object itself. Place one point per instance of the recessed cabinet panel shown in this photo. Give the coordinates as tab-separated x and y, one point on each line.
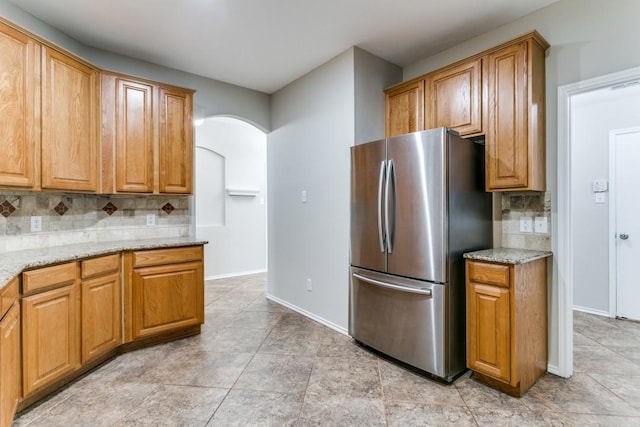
20	109
404	109
70	101
176	141
101	319
10	365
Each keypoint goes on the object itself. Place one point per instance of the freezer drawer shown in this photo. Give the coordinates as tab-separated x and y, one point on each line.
400	317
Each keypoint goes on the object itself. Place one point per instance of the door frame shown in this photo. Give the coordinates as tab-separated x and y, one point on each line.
562	244
613	256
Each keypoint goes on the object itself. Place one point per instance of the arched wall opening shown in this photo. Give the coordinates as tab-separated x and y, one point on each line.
231	196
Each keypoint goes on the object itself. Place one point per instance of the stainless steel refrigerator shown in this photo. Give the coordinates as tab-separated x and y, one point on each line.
417	204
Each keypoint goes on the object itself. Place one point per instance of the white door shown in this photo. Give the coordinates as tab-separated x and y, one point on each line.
624	209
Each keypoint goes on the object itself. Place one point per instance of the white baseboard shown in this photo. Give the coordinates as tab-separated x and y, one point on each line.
227	275
554	369
591	311
304	312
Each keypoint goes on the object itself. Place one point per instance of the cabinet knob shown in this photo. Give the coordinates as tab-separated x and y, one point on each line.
624	236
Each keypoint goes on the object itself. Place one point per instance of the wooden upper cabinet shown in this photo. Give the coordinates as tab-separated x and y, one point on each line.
176	141
404	109
515	149
70	105
453	98
127	135
20	116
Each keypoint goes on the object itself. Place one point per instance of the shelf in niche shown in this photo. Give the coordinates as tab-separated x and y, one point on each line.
242	192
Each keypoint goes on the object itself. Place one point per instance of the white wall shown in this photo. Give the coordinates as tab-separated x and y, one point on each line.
231	154
588	38
212	97
594	114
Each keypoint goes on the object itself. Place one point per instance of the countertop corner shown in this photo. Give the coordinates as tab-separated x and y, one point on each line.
507	255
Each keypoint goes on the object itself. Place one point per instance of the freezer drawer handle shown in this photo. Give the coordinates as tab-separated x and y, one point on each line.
380	186
390	286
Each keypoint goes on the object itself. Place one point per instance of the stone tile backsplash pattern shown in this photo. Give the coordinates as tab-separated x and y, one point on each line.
80	218
515	205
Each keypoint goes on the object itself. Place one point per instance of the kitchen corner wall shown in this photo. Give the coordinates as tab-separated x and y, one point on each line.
80	218
515	205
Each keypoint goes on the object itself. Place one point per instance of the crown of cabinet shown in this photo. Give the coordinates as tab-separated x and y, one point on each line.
70	126
498	94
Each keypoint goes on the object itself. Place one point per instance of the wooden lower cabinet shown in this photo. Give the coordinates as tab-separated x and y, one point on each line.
50	336
10	365
101	320
165	291
507	323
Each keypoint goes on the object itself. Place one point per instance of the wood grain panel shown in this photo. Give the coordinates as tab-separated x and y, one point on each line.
10	365
404	109
167	256
101	316
70	101
101	265
453	98
492	274
176	141
48	277
50	336
19	109
8	296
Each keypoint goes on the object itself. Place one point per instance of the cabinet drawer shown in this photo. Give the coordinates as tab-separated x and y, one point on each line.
167	256
102	265
47	277
7	296
492	274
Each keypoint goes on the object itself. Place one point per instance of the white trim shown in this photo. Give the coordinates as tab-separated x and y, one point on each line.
309	315
613	303
553	369
562	243
228	275
602	313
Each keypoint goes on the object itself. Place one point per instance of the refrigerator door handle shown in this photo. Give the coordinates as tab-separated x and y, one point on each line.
422	291
381	179
391	175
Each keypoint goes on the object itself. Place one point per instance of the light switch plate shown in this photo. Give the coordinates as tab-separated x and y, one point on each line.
526	224
540	225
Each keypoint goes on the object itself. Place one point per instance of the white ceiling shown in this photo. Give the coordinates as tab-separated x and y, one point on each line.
265	44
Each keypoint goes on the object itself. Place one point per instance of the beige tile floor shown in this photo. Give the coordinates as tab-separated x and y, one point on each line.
257	363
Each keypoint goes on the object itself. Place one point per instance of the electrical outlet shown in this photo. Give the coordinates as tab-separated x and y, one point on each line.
309	285
36	223
540	225
151	219
526	224
303	196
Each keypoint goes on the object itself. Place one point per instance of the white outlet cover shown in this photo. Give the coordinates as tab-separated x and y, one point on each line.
36	223
540	225
526	224
151	219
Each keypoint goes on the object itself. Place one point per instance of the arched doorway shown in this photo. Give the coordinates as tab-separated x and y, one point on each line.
230	196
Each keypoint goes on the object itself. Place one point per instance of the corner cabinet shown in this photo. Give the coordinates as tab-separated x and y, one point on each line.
70	123
20	100
10	354
515	139
164	292
507	323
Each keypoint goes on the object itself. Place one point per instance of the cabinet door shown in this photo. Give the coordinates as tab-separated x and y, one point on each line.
453	98
20	115
134	137
507	146
10	367
404	109
176	141
70	104
488	330
165	298
101	320
50	335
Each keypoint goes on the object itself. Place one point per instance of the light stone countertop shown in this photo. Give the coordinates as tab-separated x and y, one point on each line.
507	255
13	263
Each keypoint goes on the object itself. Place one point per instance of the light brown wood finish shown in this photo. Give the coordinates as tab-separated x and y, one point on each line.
507	326
176	141
50	336
10	365
70	104
491	274
101	316
20	117
8	295
453	98
404	109
166	256
100	266
48	277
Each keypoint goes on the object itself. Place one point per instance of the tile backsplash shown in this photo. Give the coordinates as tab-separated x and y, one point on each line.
78	218
515	205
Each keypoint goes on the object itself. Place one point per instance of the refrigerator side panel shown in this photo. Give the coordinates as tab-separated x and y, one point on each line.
418	205
367	163
470	229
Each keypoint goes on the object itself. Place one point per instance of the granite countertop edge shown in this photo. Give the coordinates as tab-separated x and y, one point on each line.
14	263
507	255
